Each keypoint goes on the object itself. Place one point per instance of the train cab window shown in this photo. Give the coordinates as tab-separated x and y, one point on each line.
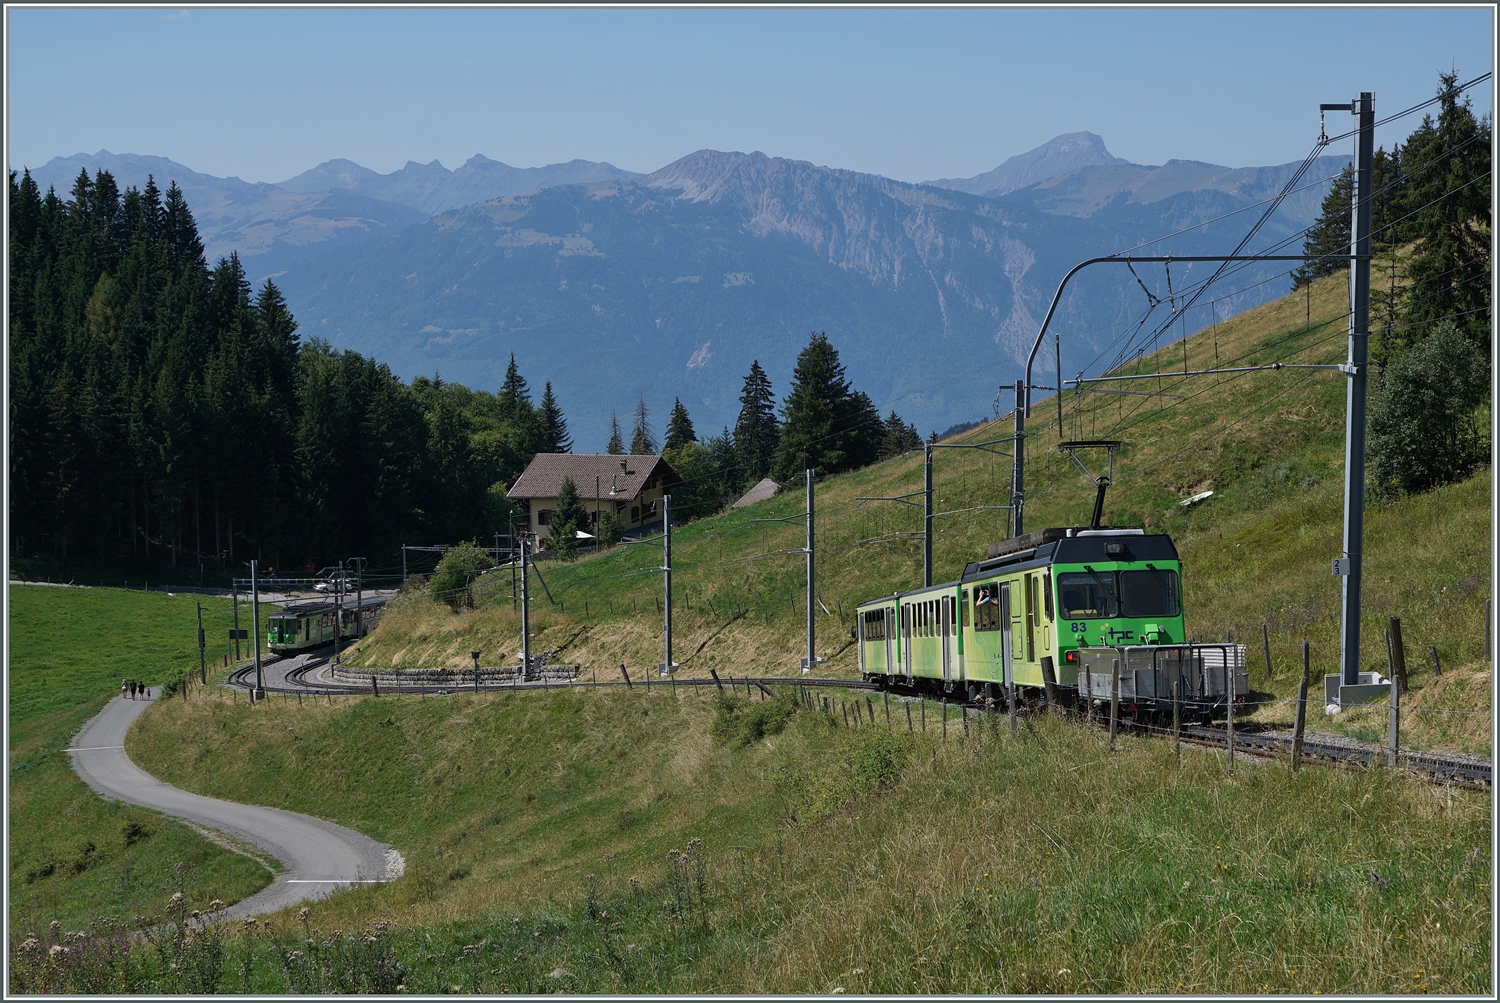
1087	596
1047	597
874	625
1149	593
987	607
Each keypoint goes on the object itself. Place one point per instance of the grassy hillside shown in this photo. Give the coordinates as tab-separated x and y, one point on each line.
1269	444
74	856
645	841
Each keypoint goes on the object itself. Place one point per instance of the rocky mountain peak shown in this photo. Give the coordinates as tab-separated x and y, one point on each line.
1059	155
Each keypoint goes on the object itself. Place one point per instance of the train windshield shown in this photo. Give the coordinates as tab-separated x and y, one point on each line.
1149	593
1087	596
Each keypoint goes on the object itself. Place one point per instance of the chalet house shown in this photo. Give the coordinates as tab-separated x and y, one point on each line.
629	486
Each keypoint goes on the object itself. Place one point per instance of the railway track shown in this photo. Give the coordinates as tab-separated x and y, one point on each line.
1440	768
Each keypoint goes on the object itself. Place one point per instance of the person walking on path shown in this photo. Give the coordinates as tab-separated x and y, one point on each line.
124	688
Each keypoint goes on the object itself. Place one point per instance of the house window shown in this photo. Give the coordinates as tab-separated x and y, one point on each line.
544	517
635	513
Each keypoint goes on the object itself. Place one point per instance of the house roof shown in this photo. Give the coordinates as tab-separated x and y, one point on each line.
544	475
763	490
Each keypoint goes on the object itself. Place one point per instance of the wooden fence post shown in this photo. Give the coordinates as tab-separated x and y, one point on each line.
1398	654
1265	637
909	728
1301	719
1049	682
1393	728
1437	667
716	680
627	677
887	697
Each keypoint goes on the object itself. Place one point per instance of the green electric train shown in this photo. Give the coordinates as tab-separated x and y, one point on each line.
301	626
1029	612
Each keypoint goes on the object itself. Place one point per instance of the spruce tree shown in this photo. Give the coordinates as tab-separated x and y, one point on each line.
679	427
815	414
642	435
1448	195
898	437
555	438
756	431
616	445
515	395
567	519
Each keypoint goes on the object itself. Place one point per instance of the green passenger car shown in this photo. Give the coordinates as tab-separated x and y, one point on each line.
302	626
1022	614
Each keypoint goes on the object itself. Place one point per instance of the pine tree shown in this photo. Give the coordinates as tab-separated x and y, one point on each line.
642	435
899	437
555	438
679	427
515	396
756	431
616	445
567	519
825	425
1330	234
1448	195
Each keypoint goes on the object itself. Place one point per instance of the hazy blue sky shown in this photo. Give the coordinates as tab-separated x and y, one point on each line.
911	94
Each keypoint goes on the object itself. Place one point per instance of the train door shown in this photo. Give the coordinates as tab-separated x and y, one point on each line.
908	611
1007	645
959	622
945	628
859	626
890	617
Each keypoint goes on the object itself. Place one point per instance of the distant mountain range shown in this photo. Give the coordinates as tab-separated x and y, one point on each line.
334	204
613	285
432	188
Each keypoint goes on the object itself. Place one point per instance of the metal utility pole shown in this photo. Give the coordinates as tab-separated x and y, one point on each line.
1018	465
811	658
359	597
812	626
202	665
338	611
513	559
403	564
260	684
1352	565
926	515
666	568
237	621
525	613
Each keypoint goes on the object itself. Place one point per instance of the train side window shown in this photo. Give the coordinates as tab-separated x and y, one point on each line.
1047	597
963	606
987	607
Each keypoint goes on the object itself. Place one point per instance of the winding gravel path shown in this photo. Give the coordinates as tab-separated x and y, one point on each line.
319	857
